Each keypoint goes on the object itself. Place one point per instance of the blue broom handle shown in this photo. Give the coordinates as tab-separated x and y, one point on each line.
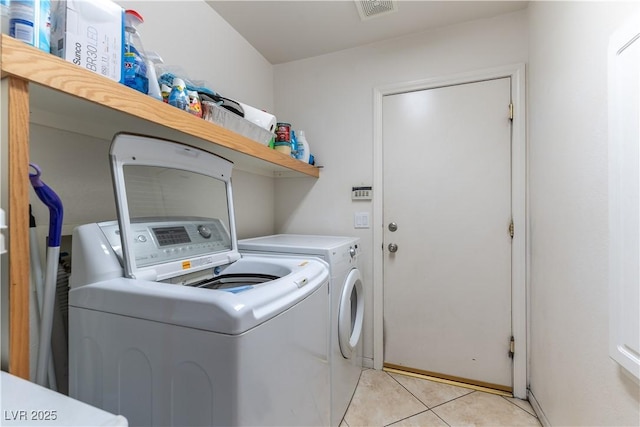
53	202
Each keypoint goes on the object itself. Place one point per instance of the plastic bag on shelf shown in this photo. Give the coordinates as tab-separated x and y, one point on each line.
166	74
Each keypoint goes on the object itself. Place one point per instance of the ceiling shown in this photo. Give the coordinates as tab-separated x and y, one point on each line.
284	31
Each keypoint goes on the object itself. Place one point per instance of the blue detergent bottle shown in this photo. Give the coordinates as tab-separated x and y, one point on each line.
135	66
178	96
294	144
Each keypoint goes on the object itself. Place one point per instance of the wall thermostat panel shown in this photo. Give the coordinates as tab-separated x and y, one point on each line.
361	193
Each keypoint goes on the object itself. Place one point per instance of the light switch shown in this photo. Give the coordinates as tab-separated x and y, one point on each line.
361	220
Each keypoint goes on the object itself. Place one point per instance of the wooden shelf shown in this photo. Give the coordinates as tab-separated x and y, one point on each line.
42	88
138	112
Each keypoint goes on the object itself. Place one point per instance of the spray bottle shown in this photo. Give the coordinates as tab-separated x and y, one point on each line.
135	63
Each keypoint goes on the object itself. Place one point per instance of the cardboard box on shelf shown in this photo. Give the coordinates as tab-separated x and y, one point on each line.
89	34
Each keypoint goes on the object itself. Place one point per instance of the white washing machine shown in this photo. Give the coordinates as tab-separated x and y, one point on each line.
347	303
170	325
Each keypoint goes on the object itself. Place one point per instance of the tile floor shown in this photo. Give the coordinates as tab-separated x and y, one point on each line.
389	399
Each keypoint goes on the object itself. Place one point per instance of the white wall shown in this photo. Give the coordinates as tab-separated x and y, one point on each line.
571	374
331	98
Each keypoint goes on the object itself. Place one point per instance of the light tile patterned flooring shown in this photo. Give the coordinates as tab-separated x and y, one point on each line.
389	399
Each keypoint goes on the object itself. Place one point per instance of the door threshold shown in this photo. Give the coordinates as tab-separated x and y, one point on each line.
394	370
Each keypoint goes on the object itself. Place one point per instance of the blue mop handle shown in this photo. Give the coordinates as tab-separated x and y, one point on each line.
53	202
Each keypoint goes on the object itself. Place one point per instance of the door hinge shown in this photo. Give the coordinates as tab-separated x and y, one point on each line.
511	111
512	347
511	229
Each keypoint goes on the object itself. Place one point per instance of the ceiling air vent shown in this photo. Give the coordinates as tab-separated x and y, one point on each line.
373	8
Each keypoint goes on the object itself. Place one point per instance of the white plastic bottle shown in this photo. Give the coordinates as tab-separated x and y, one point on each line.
5	15
154	86
303	147
30	21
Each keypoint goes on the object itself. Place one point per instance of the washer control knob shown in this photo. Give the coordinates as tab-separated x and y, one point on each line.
352	251
204	231
141	238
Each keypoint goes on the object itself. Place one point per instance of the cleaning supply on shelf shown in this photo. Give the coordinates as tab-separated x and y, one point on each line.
195	107
154	85
135	61
294	144
178	96
303	147
165	91
30	22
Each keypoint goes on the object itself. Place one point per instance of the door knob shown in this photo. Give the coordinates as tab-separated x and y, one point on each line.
393	247
393	226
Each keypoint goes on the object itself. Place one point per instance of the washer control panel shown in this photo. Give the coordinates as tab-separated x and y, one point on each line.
157	242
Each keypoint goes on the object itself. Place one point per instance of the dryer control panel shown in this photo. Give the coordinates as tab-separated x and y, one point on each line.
164	240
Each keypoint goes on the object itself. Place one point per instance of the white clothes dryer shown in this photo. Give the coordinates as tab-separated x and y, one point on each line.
347	303
170	325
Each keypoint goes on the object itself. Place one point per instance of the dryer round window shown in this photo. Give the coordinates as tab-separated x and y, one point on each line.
351	314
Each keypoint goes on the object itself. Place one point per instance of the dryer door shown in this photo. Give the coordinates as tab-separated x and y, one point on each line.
351	313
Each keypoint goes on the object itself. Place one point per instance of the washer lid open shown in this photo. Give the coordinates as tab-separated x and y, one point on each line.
159	184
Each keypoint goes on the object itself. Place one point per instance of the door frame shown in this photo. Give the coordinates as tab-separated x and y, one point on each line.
520	250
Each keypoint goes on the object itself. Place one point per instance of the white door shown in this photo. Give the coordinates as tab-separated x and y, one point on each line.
447	191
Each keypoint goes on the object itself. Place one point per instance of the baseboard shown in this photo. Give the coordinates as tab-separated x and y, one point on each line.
367	362
538	410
